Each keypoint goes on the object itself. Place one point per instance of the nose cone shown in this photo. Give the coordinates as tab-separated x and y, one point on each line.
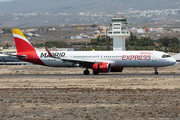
172	61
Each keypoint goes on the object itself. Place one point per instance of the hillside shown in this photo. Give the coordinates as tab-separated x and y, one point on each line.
29	13
74	6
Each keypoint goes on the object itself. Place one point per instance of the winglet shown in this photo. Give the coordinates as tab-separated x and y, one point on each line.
50	55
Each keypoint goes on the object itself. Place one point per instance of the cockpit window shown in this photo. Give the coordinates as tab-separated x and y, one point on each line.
165	56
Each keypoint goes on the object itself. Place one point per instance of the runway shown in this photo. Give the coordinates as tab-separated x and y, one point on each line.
83	94
87	76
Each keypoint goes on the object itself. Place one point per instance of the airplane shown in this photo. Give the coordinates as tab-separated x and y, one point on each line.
98	61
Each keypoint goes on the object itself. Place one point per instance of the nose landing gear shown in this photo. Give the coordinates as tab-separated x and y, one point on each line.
156	72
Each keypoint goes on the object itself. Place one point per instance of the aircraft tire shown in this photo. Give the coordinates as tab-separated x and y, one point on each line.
86	72
156	73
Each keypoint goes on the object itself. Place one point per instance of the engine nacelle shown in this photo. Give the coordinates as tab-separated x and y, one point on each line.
116	69
101	67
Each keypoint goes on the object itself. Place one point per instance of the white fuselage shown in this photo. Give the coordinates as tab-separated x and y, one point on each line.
115	58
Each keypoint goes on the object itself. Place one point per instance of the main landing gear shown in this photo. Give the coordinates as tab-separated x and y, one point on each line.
86	72
156	72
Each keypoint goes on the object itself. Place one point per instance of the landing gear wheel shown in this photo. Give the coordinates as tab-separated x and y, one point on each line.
86	72
156	72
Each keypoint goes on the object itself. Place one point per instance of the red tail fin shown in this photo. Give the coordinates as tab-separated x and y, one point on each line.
24	48
22	44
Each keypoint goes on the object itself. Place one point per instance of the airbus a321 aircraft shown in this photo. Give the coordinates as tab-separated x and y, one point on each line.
98	61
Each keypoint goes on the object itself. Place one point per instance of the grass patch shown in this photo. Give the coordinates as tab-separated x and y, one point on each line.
28	100
118	99
22	105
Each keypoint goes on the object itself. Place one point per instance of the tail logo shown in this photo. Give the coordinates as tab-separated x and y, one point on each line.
24	47
22	44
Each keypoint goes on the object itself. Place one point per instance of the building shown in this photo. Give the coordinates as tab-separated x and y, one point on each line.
97	32
175	30
7	51
80	28
118	32
104	31
159	29
96	28
81	36
31	34
146	30
140	31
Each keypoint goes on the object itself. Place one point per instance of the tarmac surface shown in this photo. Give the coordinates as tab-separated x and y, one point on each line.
90	94
87	76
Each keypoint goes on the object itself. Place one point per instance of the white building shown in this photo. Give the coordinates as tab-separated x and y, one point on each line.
159	29
31	34
152	29
81	36
118	32
140	31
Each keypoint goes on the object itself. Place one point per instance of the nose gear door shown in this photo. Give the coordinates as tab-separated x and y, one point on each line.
154	57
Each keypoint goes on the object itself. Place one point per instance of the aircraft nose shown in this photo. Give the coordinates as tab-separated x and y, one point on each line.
173	61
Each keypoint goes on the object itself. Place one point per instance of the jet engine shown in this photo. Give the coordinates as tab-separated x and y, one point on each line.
101	67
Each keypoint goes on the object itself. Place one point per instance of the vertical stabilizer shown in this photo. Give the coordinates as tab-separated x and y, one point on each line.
22	44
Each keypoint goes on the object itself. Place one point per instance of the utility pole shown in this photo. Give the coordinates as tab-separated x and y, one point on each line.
179	45
62	32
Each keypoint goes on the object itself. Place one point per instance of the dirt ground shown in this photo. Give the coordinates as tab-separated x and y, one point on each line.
101	98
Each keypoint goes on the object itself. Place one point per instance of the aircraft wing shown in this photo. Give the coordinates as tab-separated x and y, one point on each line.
84	61
88	62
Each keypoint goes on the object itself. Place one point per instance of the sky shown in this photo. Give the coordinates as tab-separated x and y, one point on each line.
5	0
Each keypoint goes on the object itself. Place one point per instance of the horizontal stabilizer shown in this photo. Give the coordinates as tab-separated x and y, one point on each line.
15	55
